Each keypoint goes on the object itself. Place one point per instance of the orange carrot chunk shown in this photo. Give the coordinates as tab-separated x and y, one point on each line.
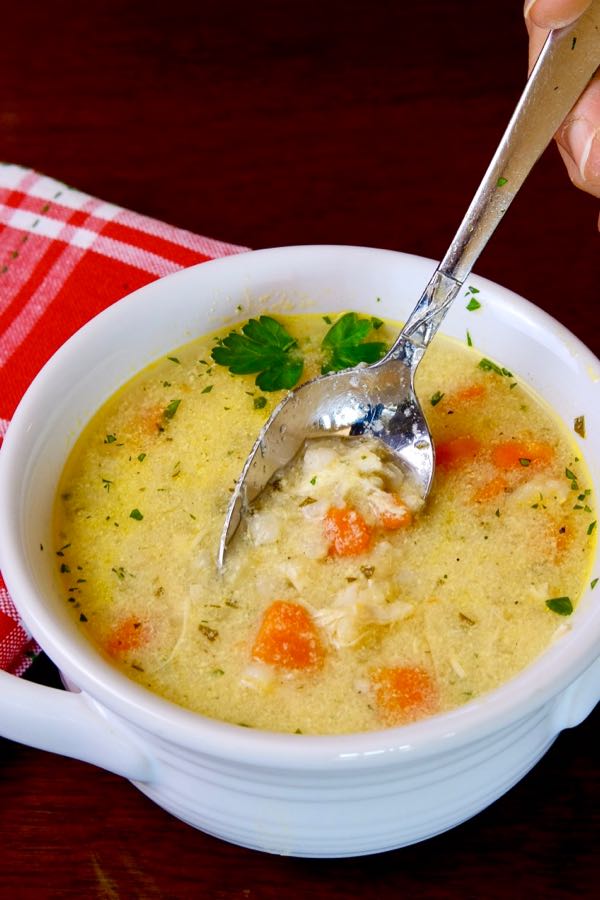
404	693
346	532
521	454
466	395
127	635
490	489
288	637
398	517
456	451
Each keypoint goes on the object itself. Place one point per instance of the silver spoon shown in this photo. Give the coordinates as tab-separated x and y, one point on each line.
379	400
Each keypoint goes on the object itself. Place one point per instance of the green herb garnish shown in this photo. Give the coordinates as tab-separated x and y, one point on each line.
211	633
473	304
110	438
579	426
171	409
501	181
141	457
173	359
469	340
591	527
560	605
136	514
435	398
260	402
264	346
488	366
593	583
344	344
207	389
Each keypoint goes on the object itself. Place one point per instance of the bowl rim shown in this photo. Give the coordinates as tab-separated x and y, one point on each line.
521	696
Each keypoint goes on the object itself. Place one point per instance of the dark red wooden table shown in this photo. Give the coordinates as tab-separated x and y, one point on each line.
272	123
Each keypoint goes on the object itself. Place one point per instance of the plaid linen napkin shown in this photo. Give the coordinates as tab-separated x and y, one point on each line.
64	257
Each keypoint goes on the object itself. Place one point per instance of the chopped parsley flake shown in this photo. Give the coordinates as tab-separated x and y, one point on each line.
259	402
473	304
211	633
579	426
435	398
469	339
110	438
136	514
501	181
171	409
488	366
207	389
562	606
173	359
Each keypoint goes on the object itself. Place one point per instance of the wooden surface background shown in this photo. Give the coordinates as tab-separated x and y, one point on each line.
283	122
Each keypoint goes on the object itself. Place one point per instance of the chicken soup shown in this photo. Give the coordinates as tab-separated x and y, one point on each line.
345	604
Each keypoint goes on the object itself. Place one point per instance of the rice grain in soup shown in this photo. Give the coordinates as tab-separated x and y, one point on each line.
344	606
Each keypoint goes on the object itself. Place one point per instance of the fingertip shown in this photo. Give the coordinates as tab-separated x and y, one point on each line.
554	13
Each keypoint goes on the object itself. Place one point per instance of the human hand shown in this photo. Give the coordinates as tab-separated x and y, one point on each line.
578	138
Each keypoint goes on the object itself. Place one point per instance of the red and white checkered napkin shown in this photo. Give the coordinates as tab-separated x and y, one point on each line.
64	257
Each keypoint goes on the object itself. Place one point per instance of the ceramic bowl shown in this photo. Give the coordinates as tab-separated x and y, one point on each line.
290	794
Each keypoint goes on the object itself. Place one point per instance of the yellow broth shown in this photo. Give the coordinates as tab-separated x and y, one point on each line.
465	593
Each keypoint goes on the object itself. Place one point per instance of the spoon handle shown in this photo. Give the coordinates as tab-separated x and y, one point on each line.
566	63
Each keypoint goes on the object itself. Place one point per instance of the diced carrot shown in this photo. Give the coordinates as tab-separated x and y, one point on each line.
490	489
346	531
404	693
288	637
563	538
466	395
398	517
521	454
456	451
127	635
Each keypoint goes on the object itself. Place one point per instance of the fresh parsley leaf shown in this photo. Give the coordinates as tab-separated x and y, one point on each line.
501	181
264	346
344	345
469	339
136	514
435	398
473	304
560	605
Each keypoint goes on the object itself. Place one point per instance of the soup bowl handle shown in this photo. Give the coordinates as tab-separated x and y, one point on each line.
578	700
71	724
